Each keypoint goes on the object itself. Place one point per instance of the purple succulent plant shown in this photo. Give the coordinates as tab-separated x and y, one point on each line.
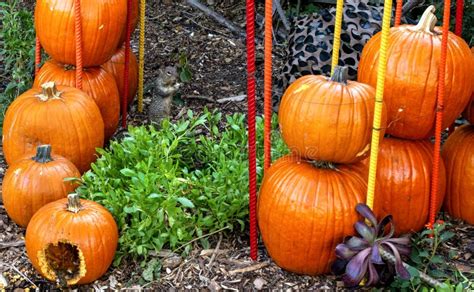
364	253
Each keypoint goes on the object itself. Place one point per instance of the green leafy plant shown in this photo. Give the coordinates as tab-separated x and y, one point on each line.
426	257
17	39
183	68
169	186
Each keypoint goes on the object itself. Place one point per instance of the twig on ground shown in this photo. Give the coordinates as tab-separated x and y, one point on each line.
4	245
250	268
200	237
211	261
232	98
19	273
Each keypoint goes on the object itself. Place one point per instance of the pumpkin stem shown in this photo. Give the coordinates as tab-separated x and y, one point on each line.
341	74
43	154
73	203
49	91
427	21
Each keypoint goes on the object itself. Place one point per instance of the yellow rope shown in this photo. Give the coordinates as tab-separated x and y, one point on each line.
382	67
141	55
337	35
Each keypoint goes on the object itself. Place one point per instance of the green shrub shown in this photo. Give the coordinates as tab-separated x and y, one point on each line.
17	39
166	187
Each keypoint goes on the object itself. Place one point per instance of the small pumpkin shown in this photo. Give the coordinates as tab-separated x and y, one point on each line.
116	66
403	182
97	83
71	241
103	23
305	210
64	117
411	81
458	155
328	119
32	182
134	20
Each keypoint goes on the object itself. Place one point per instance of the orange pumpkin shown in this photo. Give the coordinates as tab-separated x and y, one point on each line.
304	211
32	182
469	112
328	119
134	21
97	83
64	117
411	80
72	241
103	23
116	66
458	155
403	182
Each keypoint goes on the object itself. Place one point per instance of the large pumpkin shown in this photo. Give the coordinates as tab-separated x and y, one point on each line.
32	182
103	23
411	81
328	119
97	83
71	241
304	211
403	182
116	66
134	20
64	117
458	155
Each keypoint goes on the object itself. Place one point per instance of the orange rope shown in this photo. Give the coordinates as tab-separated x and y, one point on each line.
267	89
439	113
37	56
398	12
78	36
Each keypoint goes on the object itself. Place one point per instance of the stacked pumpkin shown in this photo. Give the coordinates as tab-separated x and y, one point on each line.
406	157
69	240
307	199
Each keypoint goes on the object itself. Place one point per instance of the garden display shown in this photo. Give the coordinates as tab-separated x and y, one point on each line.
34	181
199	185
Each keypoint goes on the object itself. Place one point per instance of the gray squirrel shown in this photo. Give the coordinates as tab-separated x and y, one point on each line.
166	86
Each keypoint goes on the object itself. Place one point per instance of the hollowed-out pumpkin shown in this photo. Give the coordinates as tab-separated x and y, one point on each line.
403	182
64	117
458	155
411	81
328	119
305	210
32	182
97	83
103	23
72	241
116	66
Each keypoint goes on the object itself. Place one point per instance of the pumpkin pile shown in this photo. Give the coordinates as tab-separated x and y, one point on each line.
306	202
406	157
51	133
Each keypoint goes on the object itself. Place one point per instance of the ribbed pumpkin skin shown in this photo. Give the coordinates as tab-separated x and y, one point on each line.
134	21
304	212
72	125
458	155
103	23
403	182
326	120
411	79
97	83
29	185
116	66
92	229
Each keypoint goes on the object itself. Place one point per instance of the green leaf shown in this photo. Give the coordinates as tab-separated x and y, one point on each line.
128	172
447	235
152	266
185	202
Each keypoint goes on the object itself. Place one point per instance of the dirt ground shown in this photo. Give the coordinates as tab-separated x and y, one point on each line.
217	61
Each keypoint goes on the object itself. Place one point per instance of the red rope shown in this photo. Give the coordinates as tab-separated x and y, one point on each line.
37	56
439	113
459	17
398	12
267	89
78	37
251	124
126	71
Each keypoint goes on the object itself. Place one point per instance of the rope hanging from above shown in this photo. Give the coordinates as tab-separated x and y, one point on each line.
382	68
398	12
267	86
250	18
439	113
141	55
78	40
126	71
337	35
